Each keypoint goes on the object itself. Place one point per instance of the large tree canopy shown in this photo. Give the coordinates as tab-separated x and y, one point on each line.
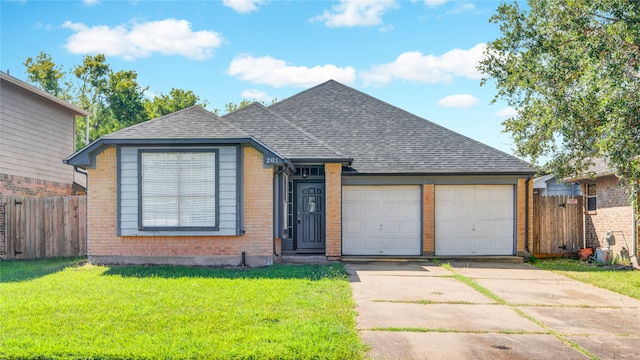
114	98
571	69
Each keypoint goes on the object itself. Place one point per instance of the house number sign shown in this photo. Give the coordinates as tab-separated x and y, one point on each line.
272	160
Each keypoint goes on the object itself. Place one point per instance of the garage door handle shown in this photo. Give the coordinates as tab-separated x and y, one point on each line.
299	219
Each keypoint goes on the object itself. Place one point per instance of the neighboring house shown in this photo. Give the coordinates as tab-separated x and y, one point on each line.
37	132
328	171
607	210
547	185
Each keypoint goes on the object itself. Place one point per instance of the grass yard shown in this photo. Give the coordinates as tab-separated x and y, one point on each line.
626	282
63	308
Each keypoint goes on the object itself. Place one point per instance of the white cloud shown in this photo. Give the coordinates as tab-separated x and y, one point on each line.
91	2
275	72
460	8
459	101
434	3
351	13
507	112
243	6
415	66
167	37
254	94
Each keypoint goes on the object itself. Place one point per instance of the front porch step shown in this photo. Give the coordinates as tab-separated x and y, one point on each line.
303	259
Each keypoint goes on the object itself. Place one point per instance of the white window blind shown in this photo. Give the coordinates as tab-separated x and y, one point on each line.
178	189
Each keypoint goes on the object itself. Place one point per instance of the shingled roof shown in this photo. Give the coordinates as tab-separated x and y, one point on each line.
330	121
280	134
382	138
192	122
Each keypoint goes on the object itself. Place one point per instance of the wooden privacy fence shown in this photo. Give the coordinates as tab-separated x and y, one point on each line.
557	225
42	227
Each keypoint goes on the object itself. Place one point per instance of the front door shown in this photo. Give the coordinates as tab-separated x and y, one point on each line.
310	216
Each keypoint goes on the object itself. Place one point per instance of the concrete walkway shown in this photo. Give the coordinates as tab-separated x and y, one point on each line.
418	310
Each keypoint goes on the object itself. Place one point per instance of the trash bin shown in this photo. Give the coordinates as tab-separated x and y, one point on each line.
602	256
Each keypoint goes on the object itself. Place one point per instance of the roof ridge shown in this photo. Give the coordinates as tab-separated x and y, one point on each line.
231	124
305	91
163	117
298	128
406	112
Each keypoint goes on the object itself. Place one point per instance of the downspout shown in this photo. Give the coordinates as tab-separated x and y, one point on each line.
86	177
526	213
276	202
86	204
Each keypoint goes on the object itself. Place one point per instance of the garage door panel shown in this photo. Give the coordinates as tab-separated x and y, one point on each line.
388	218
453	210
474	219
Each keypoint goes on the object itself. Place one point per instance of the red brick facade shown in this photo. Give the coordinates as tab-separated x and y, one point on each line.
104	245
613	213
12	185
333	210
428	220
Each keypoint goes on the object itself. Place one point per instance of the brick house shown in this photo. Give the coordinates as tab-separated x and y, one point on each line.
330	171
37	132
607	210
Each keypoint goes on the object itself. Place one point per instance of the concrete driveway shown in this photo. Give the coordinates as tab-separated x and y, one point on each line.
418	310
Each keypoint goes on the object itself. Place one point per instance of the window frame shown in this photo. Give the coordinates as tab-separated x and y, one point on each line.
216	226
591	197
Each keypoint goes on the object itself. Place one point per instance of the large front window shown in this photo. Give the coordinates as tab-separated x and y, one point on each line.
178	189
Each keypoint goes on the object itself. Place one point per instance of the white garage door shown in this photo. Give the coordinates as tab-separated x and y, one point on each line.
381	220
474	220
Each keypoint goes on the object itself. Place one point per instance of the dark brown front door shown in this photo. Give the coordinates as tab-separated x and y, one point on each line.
310	216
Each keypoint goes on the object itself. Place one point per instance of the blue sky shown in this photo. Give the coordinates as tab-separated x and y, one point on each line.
417	55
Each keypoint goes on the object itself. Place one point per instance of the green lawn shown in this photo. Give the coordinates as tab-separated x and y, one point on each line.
63	308
625	282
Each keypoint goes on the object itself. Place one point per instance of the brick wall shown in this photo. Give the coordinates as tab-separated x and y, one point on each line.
522	218
105	246
333	210
428	220
613	213
12	185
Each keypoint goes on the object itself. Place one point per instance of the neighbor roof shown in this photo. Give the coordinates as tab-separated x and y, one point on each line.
34	90
599	167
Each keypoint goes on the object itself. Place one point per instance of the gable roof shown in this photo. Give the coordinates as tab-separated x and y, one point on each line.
329	122
281	134
191	126
192	122
382	138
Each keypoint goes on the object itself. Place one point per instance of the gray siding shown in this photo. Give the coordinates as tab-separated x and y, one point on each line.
35	135
555	188
227	202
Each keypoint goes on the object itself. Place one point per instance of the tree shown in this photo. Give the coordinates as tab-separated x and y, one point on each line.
93	78
571	68
177	99
44	73
125	98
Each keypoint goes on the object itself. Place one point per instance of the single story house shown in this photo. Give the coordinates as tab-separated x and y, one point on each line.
607	212
329	171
